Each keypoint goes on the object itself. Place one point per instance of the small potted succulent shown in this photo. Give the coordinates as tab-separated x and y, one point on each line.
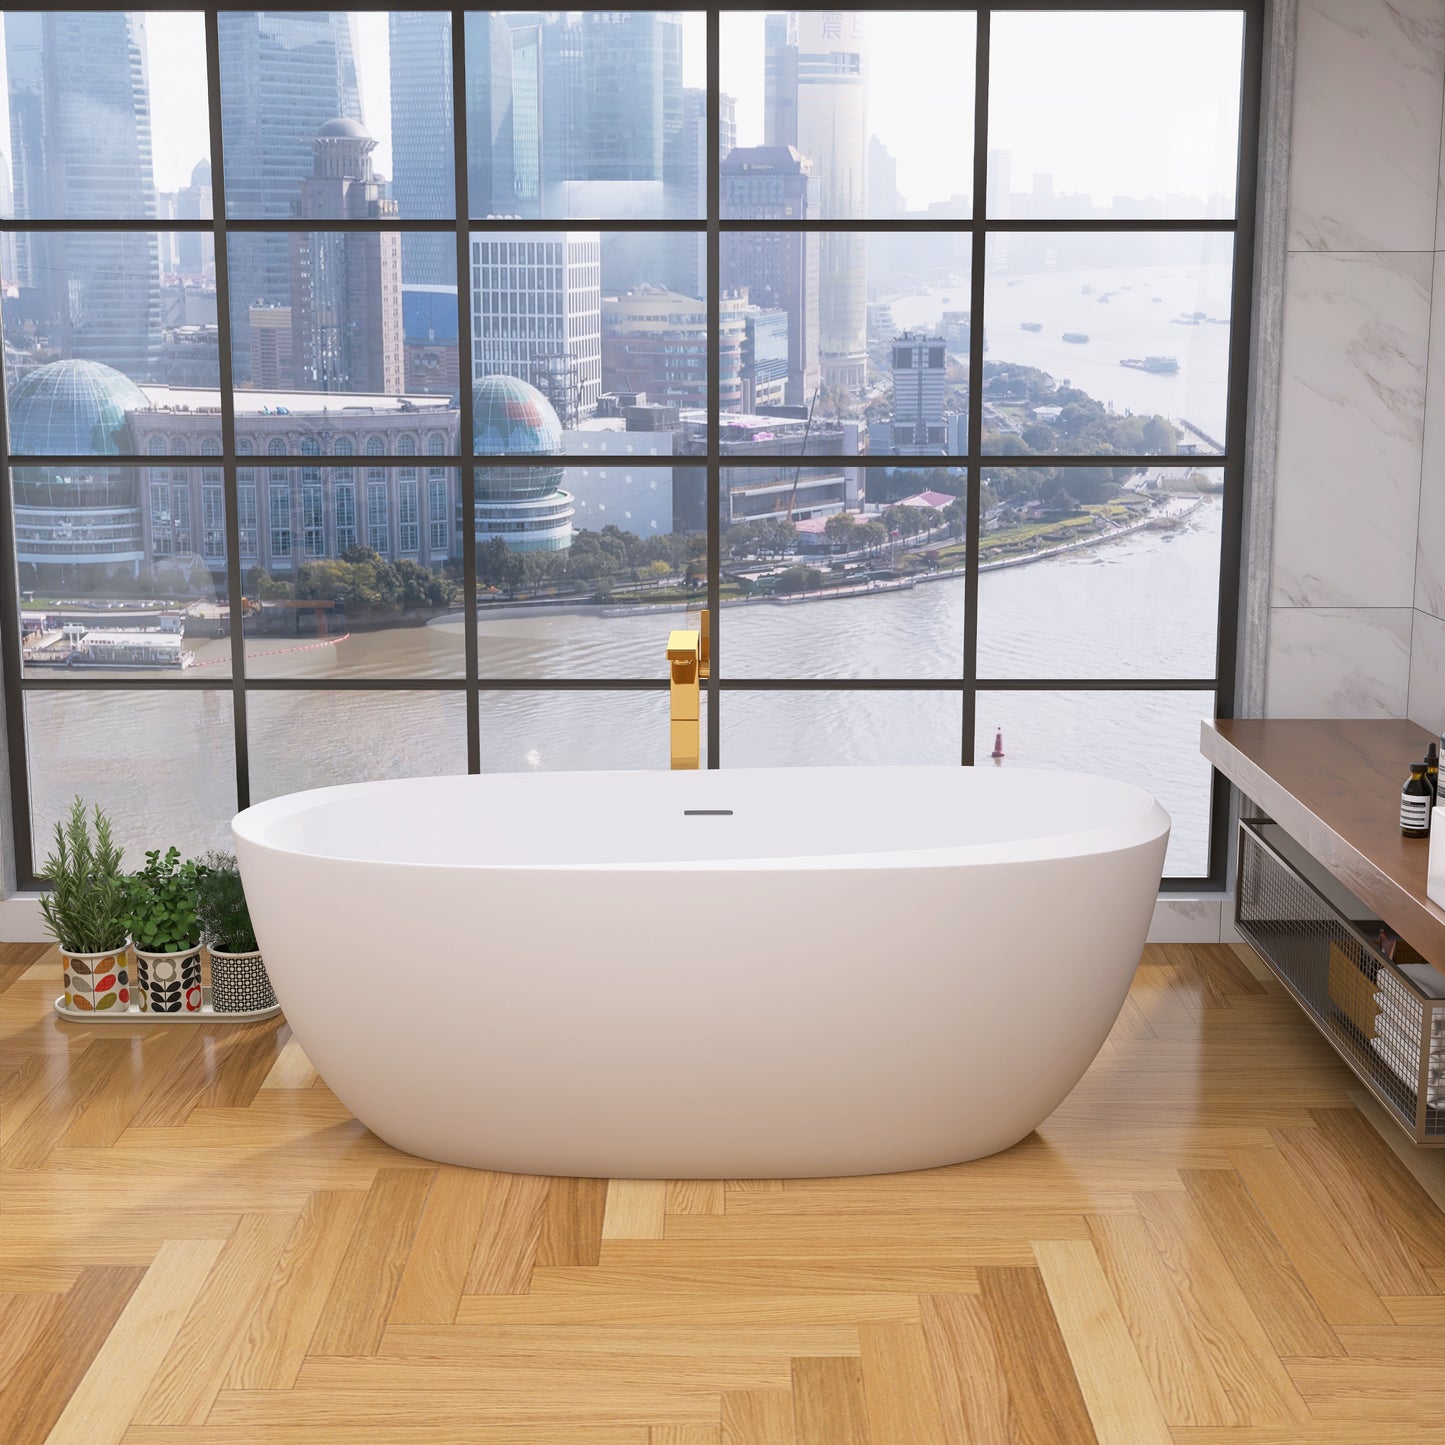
239	983
166	933
85	911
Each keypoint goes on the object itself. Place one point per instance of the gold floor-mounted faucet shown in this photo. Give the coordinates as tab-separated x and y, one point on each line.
689	659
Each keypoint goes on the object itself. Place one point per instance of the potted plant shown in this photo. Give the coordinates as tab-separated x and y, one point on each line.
239	983
166	932
85	911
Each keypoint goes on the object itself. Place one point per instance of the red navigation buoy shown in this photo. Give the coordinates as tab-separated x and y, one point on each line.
997	754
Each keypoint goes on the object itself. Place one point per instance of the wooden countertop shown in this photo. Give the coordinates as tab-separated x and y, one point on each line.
1334	786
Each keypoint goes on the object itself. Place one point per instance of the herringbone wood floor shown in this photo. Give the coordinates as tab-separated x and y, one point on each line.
1210	1242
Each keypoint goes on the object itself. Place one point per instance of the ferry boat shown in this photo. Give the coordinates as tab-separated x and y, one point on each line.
1160	365
1077	337
1031	325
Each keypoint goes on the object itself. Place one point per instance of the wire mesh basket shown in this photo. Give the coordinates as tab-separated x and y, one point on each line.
1386	1017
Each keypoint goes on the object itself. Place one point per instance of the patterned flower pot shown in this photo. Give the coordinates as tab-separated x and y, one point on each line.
169	983
96	982
239	983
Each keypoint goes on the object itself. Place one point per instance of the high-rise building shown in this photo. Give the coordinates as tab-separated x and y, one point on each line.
273	359
8	265
537	311
527	113
284	74
80	132
919	361
195	250
765	357
656	341
815	98
491	186
563	99
776	268
346	319
632	69
423	180
686	268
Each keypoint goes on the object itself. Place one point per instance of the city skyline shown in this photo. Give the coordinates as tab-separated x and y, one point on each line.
920	84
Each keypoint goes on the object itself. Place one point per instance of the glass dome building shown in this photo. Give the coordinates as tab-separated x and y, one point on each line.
525	505
71	516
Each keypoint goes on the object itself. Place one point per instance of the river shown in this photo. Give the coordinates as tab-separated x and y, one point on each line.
1140	606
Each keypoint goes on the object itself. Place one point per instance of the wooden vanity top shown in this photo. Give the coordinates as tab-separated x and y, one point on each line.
1334	786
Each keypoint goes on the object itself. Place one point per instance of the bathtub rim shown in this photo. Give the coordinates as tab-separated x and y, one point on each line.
1149	822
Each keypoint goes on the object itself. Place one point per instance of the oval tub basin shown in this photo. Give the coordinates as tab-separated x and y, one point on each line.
761	973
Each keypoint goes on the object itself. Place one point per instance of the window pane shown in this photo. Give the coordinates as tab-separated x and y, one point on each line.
108	119
161	764
1122	578
114	578
894	368
98	315
588	114
838	590
301	740
1107	343
304	103
821	729
347	582
1120	115
879	104
325	312
547	732
1147	738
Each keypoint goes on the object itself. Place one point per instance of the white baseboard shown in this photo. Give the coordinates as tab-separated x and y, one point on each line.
20	919
1177	919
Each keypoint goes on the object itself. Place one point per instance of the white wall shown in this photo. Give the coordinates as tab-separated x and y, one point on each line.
1357	578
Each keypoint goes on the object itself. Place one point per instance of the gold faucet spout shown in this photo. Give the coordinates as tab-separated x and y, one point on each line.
689	659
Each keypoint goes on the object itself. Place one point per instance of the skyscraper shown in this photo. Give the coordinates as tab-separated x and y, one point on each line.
81	136
423	180
346	318
537	314
815	98
196	250
919	370
284	74
776	268
632	68
491	186
686	268
527	113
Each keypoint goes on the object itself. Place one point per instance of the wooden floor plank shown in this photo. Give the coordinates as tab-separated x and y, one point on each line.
1047	1402
968	1376
571	1229
1262	1268
354	1315
282	1324
436	1268
898	1386
1120	1401
696	1196
291	1069
636	1209
119	1379
506	1249
758	1417
828	1403
49	1372
188	1379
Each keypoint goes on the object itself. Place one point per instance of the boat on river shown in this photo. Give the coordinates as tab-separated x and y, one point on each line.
1078	338
1158	365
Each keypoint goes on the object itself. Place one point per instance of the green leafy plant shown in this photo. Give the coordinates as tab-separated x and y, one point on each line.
225	918
85	909
161	903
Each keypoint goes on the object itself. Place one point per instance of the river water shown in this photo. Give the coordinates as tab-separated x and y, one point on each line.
1142	606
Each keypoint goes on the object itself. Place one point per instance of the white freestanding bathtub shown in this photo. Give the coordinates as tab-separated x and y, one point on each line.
754	974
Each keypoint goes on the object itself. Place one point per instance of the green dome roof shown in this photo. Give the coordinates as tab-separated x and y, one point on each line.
70	408
511	418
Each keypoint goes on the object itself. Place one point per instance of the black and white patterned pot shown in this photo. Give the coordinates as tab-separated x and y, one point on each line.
169	983
239	983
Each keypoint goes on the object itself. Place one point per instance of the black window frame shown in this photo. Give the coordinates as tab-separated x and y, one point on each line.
1231	464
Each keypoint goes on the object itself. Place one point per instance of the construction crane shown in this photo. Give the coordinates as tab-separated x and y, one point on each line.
798	470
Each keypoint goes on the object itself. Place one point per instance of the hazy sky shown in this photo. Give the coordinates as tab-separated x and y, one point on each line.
1160	92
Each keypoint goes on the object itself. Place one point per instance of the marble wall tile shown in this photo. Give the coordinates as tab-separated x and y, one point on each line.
1430	557
1352	399
1366	133
1338	662
1427	672
1185	920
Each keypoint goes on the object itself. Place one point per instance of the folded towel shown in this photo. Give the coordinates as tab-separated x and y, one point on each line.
1403	1046
1435	1085
1408	1032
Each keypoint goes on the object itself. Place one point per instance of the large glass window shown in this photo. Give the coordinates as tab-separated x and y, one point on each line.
915	350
